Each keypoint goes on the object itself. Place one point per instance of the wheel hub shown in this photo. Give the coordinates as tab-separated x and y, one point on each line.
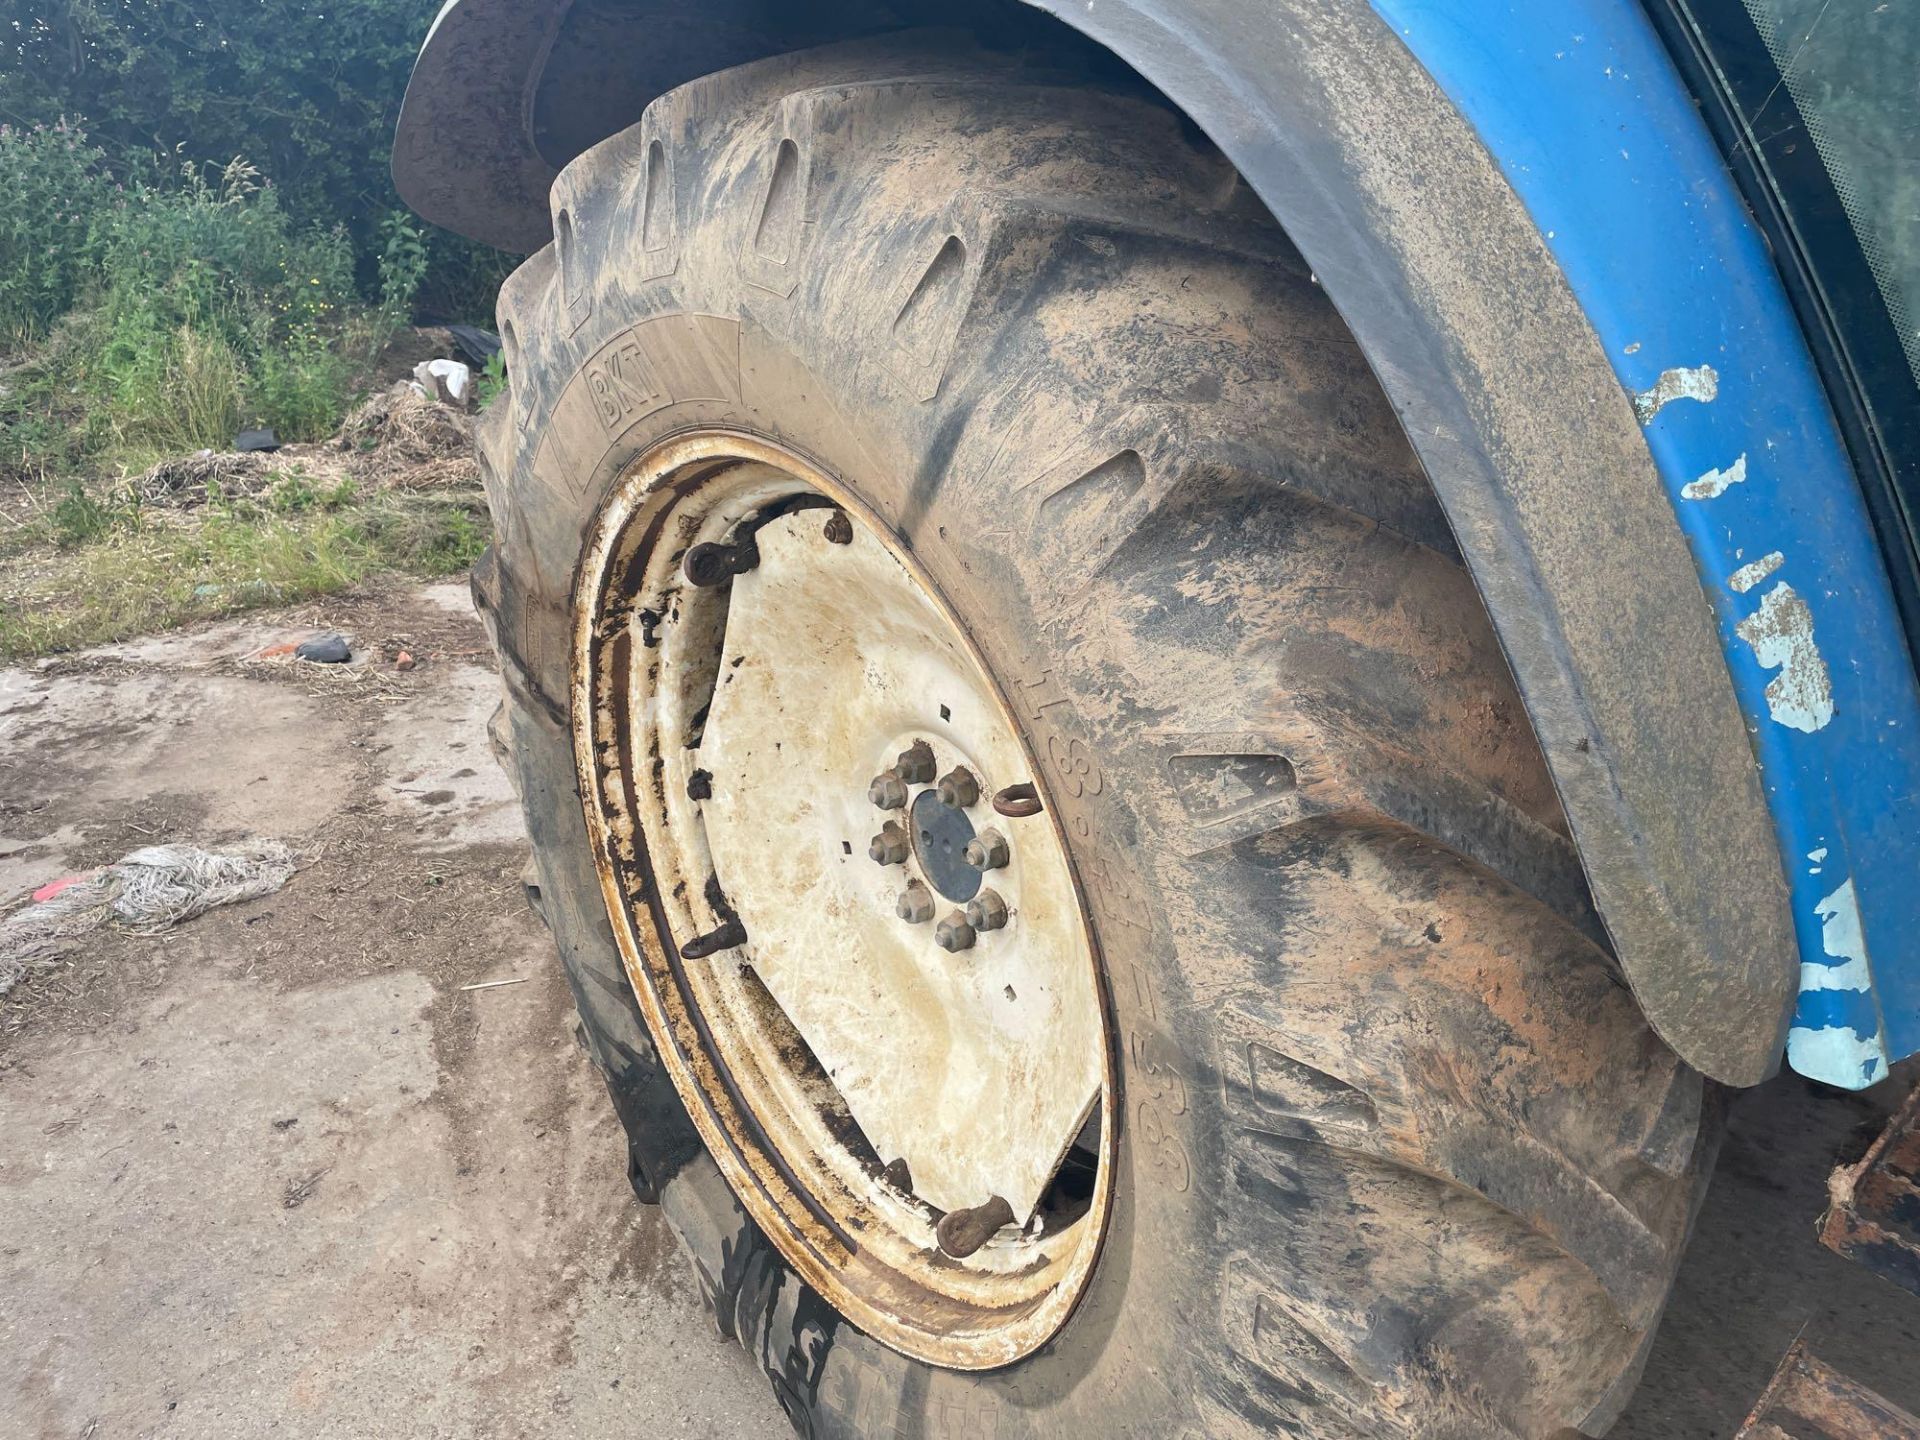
941	834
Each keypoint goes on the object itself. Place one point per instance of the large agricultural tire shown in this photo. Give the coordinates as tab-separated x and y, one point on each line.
1396	1153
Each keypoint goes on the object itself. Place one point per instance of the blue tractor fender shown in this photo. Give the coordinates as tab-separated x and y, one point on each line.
1581	107
1526	224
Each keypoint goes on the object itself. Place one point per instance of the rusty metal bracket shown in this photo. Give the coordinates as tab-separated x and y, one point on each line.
1808	1399
1874	1212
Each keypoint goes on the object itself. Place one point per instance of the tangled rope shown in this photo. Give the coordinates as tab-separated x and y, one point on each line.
146	891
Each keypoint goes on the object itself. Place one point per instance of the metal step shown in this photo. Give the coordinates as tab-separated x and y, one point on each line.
1874	1215
1810	1400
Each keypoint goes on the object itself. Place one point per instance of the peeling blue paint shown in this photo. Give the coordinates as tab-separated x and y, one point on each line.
1837	1031
1683	382
1716	483
1584	112
1780	634
1752	573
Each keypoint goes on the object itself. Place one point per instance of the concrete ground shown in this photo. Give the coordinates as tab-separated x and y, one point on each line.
276	1171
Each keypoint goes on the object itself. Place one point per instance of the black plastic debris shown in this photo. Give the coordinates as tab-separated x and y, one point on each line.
476	344
256	440
328	649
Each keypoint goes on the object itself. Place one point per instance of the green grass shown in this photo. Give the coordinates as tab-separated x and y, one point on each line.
162	316
125	576
147	314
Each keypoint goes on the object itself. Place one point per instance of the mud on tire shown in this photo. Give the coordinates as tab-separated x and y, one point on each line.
1397	1154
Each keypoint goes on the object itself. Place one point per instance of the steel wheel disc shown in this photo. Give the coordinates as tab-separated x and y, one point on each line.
878	997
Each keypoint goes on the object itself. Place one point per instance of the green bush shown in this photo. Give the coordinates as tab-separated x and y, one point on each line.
52	424
310	93
222	254
493	379
79	517
201	308
299	386
295	493
53	193
168	390
218	311
403	265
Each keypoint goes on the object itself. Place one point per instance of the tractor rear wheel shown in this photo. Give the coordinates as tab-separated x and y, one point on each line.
1042	837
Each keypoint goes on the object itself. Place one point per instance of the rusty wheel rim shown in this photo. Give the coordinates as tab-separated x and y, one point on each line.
685	587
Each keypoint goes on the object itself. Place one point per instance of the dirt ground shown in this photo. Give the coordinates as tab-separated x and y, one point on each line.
276	1171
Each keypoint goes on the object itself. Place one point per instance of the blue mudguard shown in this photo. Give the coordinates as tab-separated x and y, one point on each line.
1590	122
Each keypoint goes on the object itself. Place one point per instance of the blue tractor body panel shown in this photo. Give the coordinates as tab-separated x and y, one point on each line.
1592	126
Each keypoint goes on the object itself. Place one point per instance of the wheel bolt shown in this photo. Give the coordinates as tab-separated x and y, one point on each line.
954	933
888	791
959	788
987	911
915	765
839	529
889	847
915	905
986	851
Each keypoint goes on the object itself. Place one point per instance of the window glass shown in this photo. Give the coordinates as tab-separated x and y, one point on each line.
1853	69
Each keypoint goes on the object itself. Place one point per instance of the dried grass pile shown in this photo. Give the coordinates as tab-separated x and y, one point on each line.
406	440
397	439
185	481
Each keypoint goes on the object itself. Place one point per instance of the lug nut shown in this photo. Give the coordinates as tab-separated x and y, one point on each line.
915	765
961	1232
915	905
954	933
889	847
987	911
959	788
712	563
986	851
839	529
888	791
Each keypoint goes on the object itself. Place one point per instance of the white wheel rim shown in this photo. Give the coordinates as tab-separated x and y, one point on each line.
817	1033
